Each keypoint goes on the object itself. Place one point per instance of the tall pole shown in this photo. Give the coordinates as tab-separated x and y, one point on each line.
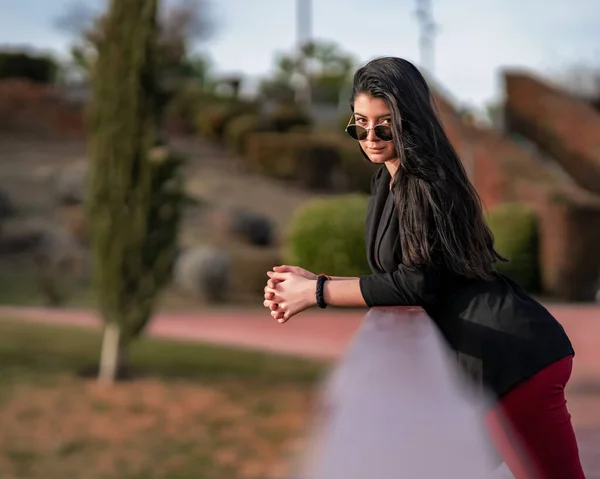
303	37
428	29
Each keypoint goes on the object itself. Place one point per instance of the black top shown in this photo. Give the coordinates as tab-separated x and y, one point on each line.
500	334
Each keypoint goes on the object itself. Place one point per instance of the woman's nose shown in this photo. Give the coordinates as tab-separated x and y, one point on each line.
371	136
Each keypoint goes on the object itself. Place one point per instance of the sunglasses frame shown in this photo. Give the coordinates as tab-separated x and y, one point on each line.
366	129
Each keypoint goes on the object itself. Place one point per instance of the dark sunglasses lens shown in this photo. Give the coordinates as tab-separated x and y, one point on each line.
384	132
356	132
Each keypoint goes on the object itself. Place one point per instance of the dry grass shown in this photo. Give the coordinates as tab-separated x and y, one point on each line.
192	412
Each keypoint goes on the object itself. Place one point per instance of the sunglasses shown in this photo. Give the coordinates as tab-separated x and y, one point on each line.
360	133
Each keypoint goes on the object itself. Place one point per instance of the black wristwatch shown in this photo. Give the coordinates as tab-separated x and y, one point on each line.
319	293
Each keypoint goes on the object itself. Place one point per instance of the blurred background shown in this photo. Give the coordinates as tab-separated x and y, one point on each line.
157	158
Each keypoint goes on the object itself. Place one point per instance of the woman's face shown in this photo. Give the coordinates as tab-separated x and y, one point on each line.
368	113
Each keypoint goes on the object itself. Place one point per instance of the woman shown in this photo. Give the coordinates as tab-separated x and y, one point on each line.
428	245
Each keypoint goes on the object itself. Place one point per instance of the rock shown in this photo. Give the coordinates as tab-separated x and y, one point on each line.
7	208
12	244
254	228
59	262
69	184
73	218
57	258
203	272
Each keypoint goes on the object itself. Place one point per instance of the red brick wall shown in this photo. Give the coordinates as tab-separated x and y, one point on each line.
569	218
476	149
38	109
566	128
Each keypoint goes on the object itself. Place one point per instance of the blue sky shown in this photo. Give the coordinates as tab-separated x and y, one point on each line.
476	38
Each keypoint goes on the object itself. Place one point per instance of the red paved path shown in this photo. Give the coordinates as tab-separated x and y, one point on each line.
326	334
313	333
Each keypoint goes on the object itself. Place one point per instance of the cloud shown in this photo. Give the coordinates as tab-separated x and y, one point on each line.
475	41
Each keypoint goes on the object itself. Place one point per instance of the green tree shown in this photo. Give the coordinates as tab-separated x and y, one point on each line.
179	24
24	65
135	194
327	67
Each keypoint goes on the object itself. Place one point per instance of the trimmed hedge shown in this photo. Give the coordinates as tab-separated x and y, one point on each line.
328	236
213	119
314	161
287	117
271	154
516	234
301	158
356	171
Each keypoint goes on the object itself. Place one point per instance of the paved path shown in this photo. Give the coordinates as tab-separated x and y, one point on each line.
312	334
326	334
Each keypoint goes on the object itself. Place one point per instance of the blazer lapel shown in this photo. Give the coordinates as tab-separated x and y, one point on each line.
374	211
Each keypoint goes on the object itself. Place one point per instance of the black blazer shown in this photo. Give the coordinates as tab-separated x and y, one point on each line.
501	336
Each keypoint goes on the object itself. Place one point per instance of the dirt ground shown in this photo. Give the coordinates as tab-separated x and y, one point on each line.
215	177
148	425
186	411
28	167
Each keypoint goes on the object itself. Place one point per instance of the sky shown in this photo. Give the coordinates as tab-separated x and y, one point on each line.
475	41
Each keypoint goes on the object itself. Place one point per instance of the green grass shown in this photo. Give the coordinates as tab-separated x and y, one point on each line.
43	349
19	286
190	411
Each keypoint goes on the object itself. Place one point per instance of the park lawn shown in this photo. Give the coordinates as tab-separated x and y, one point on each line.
189	411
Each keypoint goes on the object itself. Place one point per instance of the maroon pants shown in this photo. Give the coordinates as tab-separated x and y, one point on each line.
531	427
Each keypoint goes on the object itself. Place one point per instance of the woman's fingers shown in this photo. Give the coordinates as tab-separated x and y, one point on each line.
270	293
278	311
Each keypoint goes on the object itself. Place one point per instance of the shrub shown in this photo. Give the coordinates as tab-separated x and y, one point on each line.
271	154
355	170
40	69
516	235
238	130
302	158
328	236
315	164
324	161
181	111
286	117
213	119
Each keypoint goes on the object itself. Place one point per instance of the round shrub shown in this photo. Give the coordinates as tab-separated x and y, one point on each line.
239	128
516	234
328	236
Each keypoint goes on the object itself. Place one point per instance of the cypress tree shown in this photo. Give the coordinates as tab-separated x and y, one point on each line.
135	188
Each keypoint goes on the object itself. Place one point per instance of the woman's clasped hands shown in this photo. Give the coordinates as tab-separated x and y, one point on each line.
289	291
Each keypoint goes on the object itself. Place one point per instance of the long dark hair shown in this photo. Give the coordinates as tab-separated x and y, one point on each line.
439	210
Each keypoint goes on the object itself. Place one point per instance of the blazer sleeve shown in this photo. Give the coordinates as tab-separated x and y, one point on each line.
403	287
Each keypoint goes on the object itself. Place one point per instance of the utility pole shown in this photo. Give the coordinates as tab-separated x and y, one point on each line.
303	37
428	29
